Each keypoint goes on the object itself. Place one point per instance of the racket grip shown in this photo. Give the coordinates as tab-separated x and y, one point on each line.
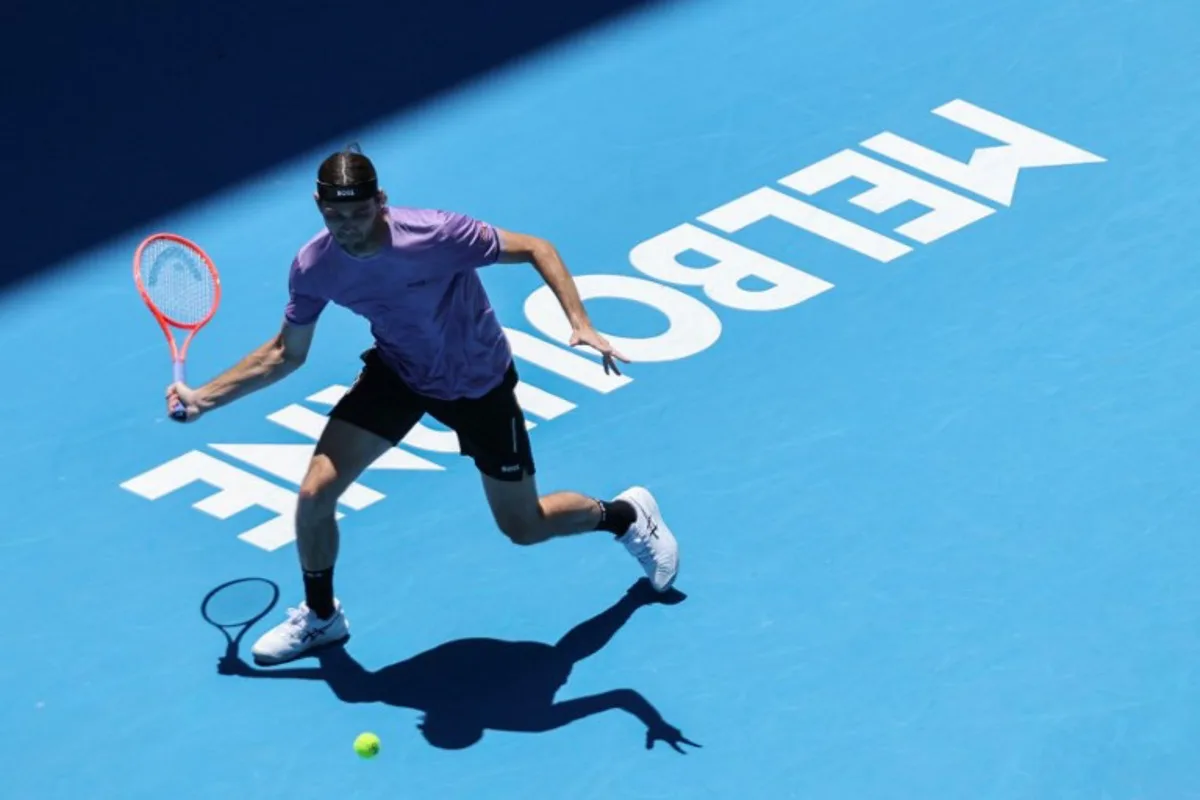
177	410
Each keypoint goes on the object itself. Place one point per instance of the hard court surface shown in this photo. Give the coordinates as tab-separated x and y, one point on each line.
934	482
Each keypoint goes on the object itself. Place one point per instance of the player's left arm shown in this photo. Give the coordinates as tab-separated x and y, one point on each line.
523	248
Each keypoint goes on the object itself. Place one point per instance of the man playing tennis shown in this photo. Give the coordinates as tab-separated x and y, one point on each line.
438	350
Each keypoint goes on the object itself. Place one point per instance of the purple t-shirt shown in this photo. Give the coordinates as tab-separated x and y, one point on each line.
430	316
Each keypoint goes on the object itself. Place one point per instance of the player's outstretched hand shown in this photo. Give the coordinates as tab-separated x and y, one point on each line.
181	393
593	339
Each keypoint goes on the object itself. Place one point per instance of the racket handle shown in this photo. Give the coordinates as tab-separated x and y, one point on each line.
177	410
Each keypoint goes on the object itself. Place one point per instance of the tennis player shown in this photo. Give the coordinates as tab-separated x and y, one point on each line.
439	350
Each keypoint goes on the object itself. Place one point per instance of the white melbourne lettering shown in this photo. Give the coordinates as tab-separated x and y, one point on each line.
693	326
992	171
309	423
990	174
290	462
658	257
949	211
238	491
767	202
572	366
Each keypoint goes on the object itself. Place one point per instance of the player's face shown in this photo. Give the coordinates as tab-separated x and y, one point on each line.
351	224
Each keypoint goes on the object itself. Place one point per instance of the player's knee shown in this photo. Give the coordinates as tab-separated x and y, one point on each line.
520	528
317	498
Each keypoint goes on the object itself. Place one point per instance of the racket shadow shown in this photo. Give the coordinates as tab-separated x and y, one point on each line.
466	687
236	606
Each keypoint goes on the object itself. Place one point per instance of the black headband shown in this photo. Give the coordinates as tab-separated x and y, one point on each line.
347	194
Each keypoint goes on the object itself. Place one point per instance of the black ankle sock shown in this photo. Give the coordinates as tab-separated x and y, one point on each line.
616	516
318	592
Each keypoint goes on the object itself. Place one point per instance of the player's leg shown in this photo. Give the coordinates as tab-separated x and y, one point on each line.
491	430
632	517
342	453
371	418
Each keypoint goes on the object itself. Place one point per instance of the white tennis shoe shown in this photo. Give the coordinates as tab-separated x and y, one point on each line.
649	540
302	632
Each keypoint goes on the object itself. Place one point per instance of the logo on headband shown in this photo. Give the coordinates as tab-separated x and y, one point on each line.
358	191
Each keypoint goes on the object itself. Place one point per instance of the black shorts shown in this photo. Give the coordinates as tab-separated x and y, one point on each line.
490	429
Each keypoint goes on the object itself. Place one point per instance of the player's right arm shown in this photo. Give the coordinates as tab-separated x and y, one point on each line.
275	359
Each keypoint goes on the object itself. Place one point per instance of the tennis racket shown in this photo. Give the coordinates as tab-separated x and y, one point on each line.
236	606
180	285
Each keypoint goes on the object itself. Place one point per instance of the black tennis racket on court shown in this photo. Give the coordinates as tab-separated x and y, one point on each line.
235	606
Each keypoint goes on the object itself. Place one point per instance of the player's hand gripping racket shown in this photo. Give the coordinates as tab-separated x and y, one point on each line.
236	606
181	287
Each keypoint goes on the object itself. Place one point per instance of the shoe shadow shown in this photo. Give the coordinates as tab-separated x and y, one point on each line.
468	686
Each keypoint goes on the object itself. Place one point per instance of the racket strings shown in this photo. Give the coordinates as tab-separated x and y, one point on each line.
178	282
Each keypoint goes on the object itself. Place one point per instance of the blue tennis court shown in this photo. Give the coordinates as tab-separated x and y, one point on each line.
911	296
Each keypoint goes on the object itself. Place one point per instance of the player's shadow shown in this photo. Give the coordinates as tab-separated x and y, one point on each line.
467	686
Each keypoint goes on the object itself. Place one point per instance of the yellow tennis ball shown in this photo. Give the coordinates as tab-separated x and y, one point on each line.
366	745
